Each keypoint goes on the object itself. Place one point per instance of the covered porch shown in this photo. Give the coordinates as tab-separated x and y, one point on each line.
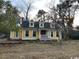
49	35
44	35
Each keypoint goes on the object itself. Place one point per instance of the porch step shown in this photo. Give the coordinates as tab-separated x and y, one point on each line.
44	37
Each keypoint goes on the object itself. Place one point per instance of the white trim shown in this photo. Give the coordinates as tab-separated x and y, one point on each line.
32	34
41	23
27	38
25	33
54	35
60	34
30	24
49	34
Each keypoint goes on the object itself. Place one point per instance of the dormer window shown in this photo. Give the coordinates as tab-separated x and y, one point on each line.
41	24
52	25
31	24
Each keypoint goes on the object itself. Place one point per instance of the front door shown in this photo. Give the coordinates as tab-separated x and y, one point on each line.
43	35
43	32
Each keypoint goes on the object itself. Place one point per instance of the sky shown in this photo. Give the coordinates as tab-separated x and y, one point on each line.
37	5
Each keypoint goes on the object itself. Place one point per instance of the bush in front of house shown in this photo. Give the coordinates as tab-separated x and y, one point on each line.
74	35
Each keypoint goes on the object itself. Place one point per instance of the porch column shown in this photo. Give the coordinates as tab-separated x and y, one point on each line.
60	34
20	35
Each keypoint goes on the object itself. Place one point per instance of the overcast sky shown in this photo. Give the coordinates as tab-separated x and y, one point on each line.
39	4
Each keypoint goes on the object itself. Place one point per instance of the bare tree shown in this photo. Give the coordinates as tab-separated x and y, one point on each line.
29	5
28	8
64	12
25	6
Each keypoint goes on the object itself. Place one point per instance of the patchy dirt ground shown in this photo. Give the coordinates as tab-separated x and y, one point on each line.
66	50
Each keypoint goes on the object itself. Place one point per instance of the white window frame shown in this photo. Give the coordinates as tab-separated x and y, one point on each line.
57	33
42	24
30	24
32	34
52	33
17	34
28	33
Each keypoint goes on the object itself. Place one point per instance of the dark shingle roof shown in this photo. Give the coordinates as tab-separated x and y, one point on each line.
36	24
46	25
25	24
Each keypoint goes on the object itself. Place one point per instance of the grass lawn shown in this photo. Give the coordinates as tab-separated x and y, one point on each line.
66	50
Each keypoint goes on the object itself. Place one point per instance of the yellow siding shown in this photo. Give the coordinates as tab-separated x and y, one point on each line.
23	33
30	33
12	34
37	34
20	34
54	34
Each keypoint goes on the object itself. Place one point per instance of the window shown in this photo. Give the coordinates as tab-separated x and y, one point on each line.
51	34
52	25
16	34
31	24
27	33
57	34
34	33
41	25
